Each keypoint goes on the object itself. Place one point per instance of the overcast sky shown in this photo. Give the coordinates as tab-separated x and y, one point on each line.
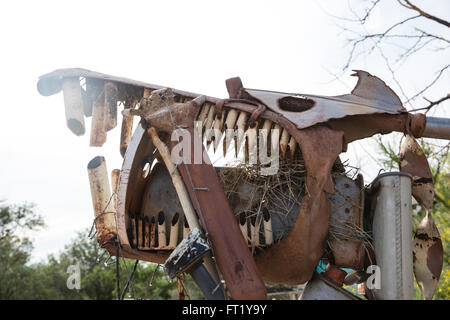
287	46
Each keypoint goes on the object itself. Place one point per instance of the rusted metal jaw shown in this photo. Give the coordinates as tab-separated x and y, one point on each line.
427	251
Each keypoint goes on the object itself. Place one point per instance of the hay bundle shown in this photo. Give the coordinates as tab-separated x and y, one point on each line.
276	197
255	197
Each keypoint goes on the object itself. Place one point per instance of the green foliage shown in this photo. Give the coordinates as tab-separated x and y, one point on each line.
17	218
48	280
15	248
440	167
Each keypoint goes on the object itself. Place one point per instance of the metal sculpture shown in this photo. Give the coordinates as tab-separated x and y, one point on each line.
157	201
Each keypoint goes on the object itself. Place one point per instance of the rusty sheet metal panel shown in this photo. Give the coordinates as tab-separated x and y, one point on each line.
371	95
413	161
346	239
428	250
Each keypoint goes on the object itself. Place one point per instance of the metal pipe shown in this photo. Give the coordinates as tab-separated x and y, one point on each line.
438	128
392	230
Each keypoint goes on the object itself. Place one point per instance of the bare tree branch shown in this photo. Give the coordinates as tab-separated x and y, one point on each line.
368	11
380	36
439	73
433	103
422	13
395	45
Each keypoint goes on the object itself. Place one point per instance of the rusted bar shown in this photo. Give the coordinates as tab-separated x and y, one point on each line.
73	103
102	202
115	174
110	94
232	255
126	130
98	132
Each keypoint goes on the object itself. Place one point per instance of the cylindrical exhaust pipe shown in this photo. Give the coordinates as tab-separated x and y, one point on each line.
73	102
102	201
392	237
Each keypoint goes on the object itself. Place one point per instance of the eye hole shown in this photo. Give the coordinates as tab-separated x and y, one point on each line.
296	104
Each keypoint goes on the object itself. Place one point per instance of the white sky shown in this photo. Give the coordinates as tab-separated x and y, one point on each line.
189	45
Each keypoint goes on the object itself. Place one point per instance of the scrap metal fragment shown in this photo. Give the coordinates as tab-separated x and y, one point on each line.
73	102
102	201
427	248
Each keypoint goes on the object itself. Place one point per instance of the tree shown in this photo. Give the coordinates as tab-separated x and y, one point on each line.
98	276
48	280
396	45
15	248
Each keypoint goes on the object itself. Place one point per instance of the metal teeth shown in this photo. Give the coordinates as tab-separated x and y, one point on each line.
218	130
174	230
251	154
292	147
215	129
243	226
284	140
268	232
203	114
162	236
208	126
240	125
254	231
230	122
275	135
153	232
263	134
133	231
